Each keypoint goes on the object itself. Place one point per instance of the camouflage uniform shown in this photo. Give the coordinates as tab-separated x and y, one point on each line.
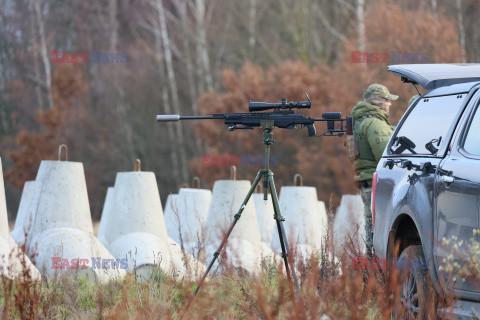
371	131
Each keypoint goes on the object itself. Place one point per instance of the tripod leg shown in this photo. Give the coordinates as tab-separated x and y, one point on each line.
236	217
281	231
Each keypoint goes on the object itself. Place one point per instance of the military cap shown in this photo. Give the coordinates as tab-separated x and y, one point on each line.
378	91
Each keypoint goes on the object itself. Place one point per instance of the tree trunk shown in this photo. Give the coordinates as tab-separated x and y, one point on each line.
36	67
119	94
461	31
251	27
112	14
181	7
434	8
201	44
43	50
158	55
326	23
172	84
361	25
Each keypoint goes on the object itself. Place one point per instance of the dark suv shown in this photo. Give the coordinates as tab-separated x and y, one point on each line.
427	185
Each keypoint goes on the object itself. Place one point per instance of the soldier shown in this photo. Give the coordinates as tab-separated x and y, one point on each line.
371	133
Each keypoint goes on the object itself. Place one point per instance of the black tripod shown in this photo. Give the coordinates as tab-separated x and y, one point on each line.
268	183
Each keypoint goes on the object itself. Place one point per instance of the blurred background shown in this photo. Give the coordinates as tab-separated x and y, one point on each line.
195	57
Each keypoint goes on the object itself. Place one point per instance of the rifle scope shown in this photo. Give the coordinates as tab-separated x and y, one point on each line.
261	106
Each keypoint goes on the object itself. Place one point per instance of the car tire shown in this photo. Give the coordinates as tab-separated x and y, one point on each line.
417	297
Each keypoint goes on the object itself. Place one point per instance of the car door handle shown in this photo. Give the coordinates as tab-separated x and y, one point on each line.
447	179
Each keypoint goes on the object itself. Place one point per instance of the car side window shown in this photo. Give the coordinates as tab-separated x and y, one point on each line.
472	140
424	130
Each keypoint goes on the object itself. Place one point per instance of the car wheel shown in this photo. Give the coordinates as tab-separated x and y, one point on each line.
417	296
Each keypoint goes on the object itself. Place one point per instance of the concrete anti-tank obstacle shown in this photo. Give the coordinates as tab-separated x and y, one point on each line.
13	262
266	222
349	223
4	236
4	244
144	265
183	263
4	258
144	252
305	224
170	205
4	230
61	241
107	208
21	264
244	248
62	198
138	231
185	223
265	215
23	221
323	215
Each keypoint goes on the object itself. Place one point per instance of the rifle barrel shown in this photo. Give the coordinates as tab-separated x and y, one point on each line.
195	117
176	117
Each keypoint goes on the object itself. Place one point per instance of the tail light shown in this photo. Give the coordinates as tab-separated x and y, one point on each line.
372	205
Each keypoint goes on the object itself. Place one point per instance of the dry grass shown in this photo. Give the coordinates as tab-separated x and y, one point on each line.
325	292
329	289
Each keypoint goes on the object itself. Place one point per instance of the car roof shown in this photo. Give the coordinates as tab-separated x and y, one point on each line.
432	76
453	89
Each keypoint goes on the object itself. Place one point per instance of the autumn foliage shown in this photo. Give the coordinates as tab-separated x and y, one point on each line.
321	160
110	122
67	83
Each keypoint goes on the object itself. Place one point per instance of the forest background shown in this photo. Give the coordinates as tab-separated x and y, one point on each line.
196	57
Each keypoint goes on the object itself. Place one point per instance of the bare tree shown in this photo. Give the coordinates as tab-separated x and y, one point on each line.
327	24
251	27
360	10
121	107
434	8
174	157
43	49
203	60
187	56
112	10
172	84
461	31
36	66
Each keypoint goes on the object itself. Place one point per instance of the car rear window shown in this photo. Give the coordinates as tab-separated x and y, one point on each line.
424	130
472	141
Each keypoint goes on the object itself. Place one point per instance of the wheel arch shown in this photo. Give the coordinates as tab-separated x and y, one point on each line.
405	231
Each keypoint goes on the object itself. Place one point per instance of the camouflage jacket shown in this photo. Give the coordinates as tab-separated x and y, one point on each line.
372	131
